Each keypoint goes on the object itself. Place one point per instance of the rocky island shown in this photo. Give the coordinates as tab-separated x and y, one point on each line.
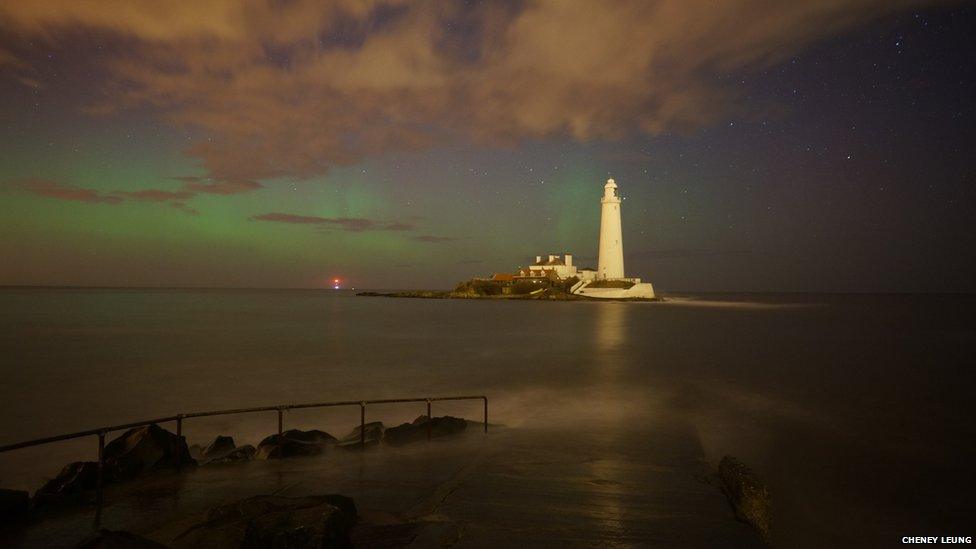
538	289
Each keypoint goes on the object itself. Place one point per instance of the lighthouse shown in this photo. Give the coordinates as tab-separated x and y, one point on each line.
611	262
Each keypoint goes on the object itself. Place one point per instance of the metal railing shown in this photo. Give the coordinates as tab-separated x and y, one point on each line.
280	409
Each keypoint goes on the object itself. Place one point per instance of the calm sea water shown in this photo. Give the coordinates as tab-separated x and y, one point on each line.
857	410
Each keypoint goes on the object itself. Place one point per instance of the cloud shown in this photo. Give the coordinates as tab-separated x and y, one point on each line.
52	189
292	89
8	59
351	224
224	187
156	195
432	238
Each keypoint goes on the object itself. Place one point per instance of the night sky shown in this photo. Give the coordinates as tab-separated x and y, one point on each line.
760	146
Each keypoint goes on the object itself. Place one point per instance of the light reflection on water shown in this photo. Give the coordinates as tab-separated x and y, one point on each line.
855	408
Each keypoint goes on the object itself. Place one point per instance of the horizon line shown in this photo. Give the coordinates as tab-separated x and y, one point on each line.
365	288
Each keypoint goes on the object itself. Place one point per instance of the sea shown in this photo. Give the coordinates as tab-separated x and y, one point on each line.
856	410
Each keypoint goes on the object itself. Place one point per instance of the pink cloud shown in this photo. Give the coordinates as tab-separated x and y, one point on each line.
351	224
52	189
222	187
156	195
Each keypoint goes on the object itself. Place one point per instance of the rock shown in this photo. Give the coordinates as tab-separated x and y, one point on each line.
294	443
218	448
144	449
416	431
373	435
748	495
13	504
275	521
109	539
237	455
74	483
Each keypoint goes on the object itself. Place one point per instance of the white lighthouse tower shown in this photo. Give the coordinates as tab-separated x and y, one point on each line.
611	263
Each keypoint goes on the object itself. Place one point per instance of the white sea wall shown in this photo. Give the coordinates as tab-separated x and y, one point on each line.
643	290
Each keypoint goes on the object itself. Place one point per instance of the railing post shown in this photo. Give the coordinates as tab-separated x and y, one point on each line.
486	414
362	425
179	442
429	418
279	420
101	468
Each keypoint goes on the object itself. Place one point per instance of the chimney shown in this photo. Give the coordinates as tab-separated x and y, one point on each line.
552	258
538	259
568	259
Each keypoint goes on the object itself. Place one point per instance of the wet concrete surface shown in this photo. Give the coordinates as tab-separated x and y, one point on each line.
573	485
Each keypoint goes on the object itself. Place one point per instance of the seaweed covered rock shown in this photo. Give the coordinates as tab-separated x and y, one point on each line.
144	449
372	434
275	521
748	495
294	443
416	431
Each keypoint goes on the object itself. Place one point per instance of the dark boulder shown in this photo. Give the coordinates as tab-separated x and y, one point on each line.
116	539
275	521
75	483
13	504
218	448
748	495
416	431
237	455
294	443
144	449
373	434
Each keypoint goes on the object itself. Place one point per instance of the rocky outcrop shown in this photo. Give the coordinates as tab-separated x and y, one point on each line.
275	521
416	431
748	495
294	443
373	432
116	539
220	447
144	449
13	505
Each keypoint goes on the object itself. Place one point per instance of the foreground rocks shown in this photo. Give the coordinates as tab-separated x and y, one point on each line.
220	447
145	449
373	434
275	521
294	443
237	455
417	431
748	495
151	448
13	504
74	484
136	452
114	539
